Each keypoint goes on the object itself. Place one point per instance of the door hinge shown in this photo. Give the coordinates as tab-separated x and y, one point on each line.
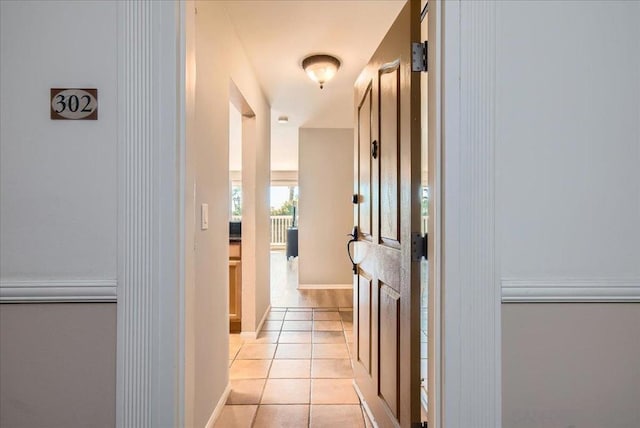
419	56
418	247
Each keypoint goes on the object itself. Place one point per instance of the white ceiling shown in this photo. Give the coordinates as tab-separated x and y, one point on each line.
277	35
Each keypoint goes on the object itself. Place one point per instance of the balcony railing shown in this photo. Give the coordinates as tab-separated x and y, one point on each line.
279	226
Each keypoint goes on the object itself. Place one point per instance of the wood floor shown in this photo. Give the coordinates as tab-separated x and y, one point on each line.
285	293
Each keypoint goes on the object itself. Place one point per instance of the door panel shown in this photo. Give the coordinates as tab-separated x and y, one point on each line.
387	287
389	81
364	321
364	182
388	349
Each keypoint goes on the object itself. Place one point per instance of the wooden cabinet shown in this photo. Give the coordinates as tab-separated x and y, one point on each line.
235	286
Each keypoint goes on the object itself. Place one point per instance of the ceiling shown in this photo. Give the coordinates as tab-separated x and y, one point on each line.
277	35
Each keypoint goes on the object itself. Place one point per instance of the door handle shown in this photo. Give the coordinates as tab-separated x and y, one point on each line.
354	238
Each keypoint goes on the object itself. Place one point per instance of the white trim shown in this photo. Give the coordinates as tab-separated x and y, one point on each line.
284	178
595	290
254	334
149	284
186	223
434	220
168	286
262	321
471	297
136	231
325	286
235	177
219	407
58	290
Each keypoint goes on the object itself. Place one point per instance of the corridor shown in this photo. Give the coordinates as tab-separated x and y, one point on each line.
297	373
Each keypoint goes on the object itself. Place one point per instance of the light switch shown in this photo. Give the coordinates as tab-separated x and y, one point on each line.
204	210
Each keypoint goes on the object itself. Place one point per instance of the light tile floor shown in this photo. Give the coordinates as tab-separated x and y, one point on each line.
296	374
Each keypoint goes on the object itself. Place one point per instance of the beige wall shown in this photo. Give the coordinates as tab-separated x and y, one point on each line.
255	224
58	365
571	365
326	213
567	208
220	60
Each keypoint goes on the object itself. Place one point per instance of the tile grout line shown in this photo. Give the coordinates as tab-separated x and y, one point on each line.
253	421
312	343
255	416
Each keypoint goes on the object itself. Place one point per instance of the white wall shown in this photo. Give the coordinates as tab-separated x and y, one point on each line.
58	219
284	144
567	180
235	138
568	139
256	228
220	60
326	212
57	178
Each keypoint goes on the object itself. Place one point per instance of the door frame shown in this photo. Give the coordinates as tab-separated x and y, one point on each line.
467	342
434	226
150	212
463	258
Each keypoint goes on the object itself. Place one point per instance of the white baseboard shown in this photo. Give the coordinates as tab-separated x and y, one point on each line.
58	290
219	407
570	290
325	286
254	334
264	318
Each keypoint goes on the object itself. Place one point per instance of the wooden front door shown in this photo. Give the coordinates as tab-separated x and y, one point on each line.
387	181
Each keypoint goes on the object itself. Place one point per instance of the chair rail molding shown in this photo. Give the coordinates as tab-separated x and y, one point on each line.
147	367
58	290
570	290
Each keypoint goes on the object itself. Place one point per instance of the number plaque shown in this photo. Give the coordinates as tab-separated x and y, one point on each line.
74	104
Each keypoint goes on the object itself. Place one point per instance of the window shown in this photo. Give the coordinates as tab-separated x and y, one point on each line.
283	200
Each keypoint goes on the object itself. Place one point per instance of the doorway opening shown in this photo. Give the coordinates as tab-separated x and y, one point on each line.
283	221
302	313
235	219
424	220
243	207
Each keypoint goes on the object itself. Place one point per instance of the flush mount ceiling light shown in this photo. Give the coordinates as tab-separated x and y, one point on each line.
283	119
321	68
